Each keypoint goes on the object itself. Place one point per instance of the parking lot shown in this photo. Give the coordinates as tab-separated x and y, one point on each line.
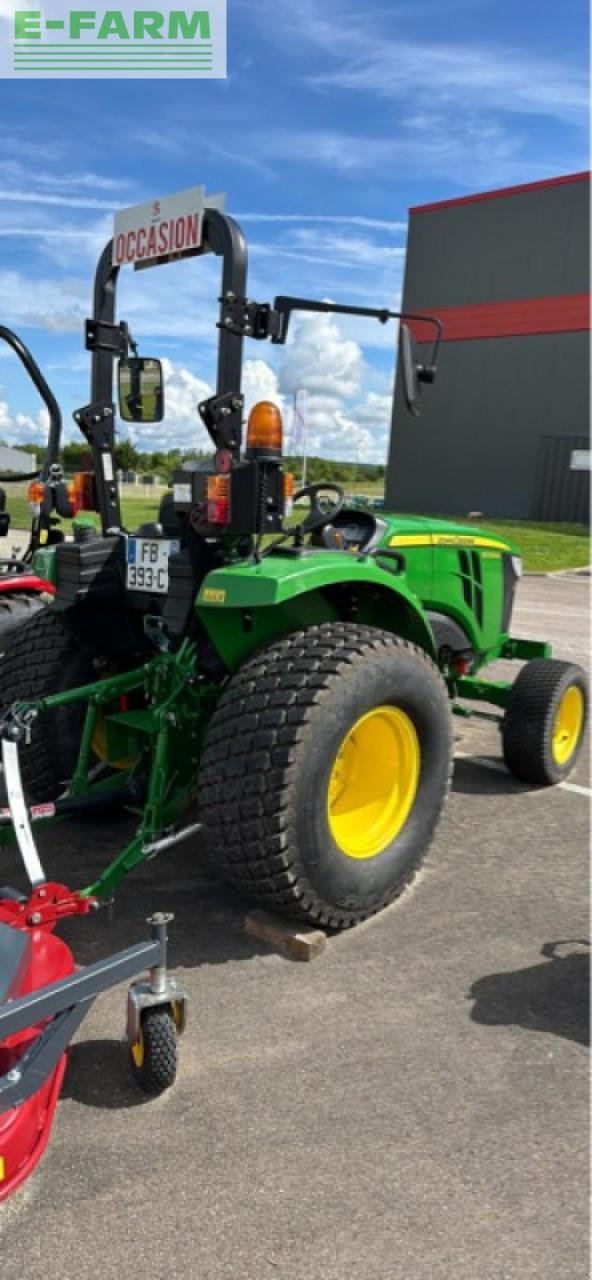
412	1104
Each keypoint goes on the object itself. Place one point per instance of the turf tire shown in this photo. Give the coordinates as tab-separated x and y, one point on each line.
16	608
41	657
530	715
268	756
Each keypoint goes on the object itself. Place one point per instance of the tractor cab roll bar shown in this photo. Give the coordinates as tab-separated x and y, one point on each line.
239	318
55	418
107	340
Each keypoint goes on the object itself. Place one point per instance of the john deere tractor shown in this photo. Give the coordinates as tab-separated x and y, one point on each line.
292	674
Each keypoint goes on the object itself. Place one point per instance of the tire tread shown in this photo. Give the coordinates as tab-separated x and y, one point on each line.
253	739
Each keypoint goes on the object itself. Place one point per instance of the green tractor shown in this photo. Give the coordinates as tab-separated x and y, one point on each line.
294	681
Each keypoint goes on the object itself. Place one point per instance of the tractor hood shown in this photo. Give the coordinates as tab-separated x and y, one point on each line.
429	531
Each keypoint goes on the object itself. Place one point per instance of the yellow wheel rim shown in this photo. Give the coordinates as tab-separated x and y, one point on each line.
567	728
99	739
137	1051
373	782
100	749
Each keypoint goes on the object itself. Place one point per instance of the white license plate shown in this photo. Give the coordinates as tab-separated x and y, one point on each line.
148	564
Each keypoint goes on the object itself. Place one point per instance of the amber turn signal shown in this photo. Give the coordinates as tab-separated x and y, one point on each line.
36	492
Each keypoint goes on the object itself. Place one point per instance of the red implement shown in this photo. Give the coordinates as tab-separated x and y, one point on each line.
25	1129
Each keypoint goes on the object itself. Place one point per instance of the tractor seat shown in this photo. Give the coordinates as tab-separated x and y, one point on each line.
350	530
150	529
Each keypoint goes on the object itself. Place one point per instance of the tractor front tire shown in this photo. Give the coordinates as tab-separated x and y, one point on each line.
325	768
42	657
545	721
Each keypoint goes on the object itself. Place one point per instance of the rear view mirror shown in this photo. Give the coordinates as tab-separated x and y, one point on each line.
409	369
141	390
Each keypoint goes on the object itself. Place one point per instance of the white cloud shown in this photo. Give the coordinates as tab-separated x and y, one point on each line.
481	76
261	382
319	359
64	199
336	219
22	428
343	418
182	425
351	250
472	146
57	305
389	64
66	182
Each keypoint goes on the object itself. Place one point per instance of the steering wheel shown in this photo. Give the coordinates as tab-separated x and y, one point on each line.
318	515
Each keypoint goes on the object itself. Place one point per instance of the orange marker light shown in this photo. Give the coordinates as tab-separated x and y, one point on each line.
36	492
288	493
81	492
264	430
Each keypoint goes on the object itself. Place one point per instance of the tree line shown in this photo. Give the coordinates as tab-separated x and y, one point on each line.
75	457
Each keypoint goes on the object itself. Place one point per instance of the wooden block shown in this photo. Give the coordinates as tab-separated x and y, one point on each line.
298	941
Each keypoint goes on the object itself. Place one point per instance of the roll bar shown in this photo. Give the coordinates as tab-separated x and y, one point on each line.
221	236
49	400
239	318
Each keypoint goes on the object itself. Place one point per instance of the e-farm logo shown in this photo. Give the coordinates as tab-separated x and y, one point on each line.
59	42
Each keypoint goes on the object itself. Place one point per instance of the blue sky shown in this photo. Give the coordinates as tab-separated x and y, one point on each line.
334	119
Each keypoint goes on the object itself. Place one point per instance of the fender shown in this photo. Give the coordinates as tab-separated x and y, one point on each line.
26	582
247	605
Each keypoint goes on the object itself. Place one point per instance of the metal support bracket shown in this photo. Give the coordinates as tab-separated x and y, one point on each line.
249	319
102	336
222	418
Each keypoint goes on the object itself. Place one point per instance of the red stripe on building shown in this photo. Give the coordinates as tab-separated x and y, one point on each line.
567	314
503	191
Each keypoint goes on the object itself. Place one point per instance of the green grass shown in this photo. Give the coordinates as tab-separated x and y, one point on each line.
544	546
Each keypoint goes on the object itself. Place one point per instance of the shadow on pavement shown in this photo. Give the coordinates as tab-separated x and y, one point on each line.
553	997
473	778
208	926
98	1075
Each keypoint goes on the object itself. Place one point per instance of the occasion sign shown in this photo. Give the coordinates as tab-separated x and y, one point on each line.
163	230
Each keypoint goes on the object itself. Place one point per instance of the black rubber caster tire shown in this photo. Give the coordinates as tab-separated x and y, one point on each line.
154	1057
534	748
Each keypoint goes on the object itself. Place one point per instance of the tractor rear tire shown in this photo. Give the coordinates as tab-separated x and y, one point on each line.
545	721
16	607
324	772
43	657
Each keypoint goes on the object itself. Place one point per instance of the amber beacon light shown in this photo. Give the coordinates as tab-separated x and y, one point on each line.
264	431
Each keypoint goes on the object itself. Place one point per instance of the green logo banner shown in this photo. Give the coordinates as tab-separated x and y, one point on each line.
63	42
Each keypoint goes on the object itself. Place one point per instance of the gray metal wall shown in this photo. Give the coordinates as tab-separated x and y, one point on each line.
478	443
15	460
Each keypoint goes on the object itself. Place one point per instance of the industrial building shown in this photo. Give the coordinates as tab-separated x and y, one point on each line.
16	460
504	429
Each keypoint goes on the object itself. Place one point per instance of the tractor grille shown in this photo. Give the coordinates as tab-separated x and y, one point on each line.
510	584
469	563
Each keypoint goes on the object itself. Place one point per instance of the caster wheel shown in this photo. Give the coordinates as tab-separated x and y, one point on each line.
153	1056
545	720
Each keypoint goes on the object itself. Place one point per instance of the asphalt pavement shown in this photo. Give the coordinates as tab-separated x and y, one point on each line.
413	1104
